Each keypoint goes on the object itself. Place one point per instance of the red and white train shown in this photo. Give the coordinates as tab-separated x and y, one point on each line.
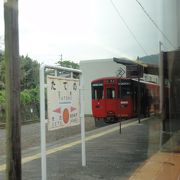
114	98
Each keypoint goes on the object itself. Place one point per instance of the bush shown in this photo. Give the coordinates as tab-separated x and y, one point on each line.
2	97
29	102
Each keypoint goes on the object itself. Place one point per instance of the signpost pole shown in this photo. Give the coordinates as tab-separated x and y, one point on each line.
43	124
82	122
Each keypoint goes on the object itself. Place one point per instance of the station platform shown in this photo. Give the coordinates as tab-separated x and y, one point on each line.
161	166
134	154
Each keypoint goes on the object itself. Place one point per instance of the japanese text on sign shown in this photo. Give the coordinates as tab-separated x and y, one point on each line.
63	102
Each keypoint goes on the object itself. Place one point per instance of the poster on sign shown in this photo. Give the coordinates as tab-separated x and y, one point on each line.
63	102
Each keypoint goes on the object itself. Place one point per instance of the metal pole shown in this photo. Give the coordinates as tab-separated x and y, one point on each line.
120	125
13	123
139	96
120	107
43	124
161	91
82	122
161	79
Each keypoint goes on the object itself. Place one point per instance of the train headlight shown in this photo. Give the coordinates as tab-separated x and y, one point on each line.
124	104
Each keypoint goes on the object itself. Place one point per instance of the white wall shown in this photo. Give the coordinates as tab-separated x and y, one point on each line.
93	69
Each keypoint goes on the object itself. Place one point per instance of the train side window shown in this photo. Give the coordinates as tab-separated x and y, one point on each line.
110	93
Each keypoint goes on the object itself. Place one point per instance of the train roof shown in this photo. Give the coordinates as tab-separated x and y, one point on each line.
107	78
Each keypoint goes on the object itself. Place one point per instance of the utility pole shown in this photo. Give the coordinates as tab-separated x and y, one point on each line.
61	59
13	124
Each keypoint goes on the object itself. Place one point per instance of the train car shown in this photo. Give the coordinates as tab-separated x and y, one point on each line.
114	98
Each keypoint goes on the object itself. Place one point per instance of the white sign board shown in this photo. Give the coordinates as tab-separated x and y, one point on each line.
63	102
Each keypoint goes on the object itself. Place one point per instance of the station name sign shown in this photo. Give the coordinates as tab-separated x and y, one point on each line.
63	102
134	71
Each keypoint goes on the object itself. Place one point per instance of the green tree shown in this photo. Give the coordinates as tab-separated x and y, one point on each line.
2	97
29	88
29	73
30	104
69	64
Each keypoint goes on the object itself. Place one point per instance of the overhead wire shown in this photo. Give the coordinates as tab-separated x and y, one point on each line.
130	31
155	24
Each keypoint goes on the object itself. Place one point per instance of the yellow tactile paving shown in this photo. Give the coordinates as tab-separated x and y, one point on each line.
161	166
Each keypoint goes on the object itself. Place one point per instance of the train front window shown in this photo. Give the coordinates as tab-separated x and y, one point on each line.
97	90
110	93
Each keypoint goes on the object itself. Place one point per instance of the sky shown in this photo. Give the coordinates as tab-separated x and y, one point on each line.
85	29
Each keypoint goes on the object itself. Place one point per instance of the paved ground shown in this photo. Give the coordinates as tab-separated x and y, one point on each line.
161	166
30	134
110	155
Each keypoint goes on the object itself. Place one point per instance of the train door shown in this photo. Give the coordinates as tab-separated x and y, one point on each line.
98	104
125	104
111	98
